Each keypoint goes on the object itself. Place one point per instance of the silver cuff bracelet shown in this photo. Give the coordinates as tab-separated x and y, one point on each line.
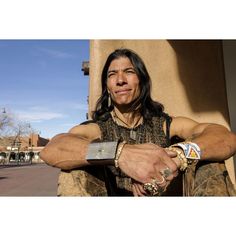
102	152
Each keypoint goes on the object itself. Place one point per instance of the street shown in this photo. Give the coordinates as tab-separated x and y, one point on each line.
28	180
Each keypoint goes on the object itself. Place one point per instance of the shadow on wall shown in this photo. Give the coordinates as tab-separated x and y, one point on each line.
201	70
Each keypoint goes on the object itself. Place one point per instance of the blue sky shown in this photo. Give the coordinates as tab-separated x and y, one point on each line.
41	82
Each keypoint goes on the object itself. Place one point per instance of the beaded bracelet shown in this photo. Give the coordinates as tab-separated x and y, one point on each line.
118	153
191	150
182	158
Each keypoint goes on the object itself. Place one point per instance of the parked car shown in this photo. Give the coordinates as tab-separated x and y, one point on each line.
3	157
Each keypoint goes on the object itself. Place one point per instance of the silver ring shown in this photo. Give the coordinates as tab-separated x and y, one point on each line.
151	188
159	182
166	172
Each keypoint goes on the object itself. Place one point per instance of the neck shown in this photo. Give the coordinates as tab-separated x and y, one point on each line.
127	119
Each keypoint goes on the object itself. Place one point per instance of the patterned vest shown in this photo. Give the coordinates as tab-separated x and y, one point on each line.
201	179
107	180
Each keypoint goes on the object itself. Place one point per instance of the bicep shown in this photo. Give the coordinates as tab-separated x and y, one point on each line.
89	131
186	128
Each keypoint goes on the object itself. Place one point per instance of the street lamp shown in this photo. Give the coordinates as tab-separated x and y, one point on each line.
31	138
3	118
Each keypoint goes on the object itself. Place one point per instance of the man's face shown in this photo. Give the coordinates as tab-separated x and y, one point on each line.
122	82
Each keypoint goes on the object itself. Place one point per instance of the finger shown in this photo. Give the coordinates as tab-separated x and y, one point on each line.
174	158
158	180
138	187
166	158
161	170
170	153
138	190
172	175
162	182
168	174
134	191
176	173
141	190
170	163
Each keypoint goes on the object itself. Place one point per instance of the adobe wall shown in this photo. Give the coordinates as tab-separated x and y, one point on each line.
187	77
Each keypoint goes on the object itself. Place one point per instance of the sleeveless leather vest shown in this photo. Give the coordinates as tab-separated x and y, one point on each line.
107	180
200	179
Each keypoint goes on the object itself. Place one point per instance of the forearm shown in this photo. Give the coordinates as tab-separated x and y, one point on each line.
66	151
216	143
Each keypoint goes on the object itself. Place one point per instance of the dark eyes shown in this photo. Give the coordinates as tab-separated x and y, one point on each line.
128	71
110	75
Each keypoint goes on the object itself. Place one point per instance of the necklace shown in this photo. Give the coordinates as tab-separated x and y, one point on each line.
132	133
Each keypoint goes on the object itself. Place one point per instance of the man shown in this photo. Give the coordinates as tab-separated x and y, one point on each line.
132	157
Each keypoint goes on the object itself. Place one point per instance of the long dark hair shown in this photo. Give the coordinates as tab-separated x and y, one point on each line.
148	107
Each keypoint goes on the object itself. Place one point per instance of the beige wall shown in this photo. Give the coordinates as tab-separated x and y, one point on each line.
187	76
229	49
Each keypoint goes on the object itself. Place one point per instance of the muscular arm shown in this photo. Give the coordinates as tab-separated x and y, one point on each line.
141	162
216	142
68	151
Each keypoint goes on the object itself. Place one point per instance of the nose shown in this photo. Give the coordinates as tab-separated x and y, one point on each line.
121	79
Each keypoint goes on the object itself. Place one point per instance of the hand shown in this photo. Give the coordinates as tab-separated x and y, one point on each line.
174	157
145	162
138	190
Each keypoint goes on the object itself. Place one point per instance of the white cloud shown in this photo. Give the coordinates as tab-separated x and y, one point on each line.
69	124
32	116
56	53
77	106
38	108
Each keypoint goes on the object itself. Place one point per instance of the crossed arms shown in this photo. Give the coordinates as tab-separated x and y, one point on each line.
142	162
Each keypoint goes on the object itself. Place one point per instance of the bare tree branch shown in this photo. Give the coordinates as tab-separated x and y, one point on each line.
12	130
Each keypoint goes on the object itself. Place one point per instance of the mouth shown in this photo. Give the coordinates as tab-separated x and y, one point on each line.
123	91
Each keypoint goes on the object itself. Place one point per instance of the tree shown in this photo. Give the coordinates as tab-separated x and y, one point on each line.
12	130
5	121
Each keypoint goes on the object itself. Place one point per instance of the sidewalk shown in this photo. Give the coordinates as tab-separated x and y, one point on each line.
28	180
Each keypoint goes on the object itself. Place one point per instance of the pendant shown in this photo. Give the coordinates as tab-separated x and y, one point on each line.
132	134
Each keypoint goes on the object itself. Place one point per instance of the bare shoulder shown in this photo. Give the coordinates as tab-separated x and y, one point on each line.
89	131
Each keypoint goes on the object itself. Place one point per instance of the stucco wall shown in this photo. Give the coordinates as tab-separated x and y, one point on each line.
187	76
229	49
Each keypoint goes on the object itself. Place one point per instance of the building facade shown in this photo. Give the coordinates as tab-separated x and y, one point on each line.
190	77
